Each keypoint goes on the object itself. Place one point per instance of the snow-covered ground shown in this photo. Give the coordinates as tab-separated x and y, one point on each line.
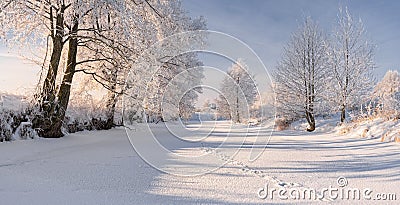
101	167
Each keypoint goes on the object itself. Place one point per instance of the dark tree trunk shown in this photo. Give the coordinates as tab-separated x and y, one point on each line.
343	113
111	101
48	90
310	110
44	121
237	100
65	89
237	110
310	94
311	121
110	113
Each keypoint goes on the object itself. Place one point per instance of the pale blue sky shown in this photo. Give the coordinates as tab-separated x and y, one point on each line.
265	25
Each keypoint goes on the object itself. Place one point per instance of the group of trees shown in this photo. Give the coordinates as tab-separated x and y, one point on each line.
321	74
104	40
318	75
98	38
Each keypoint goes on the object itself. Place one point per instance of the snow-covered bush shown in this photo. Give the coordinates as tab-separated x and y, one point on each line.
282	124
376	128
84	117
87	109
5	126
25	131
15	120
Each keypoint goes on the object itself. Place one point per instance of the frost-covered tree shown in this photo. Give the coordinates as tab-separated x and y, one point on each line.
301	75
238	93
95	37
111	52
171	68
175	83
387	94
351	61
187	104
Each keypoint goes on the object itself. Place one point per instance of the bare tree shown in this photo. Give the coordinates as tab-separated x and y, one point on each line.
238	93
301	74
351	61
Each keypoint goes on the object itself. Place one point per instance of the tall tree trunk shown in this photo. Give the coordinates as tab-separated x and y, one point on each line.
237	110
65	88
310	110
343	113
48	90
237	100
111	100
311	121
44	122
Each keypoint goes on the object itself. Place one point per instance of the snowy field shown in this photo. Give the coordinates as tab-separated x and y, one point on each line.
101	167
